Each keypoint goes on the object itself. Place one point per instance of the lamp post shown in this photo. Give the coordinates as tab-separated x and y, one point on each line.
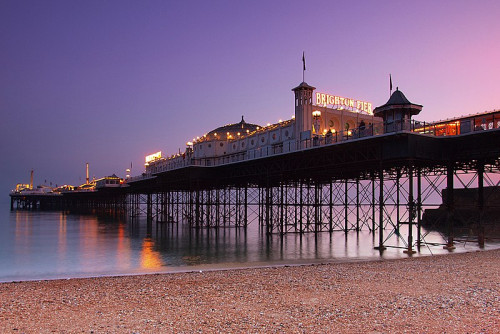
316	125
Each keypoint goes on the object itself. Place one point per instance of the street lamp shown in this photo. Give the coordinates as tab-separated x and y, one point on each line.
316	125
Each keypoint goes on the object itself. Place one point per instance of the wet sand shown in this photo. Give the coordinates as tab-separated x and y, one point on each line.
455	293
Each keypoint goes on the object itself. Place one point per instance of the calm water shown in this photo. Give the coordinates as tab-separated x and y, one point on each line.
47	245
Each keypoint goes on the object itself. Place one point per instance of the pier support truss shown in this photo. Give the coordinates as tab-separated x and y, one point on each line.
108	203
200	208
394	203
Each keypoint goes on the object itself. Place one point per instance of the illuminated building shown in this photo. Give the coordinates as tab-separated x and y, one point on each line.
319	119
108	182
22	187
460	125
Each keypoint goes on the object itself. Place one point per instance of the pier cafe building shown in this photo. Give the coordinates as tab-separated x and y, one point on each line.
319	119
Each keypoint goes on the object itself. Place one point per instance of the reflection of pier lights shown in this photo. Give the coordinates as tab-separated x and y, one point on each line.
317	122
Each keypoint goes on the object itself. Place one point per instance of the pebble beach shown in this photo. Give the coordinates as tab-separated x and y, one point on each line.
454	293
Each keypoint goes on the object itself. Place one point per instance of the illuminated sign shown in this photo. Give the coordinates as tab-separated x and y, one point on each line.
323	99
153	157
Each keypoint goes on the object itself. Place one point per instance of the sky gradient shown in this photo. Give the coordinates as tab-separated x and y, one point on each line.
108	82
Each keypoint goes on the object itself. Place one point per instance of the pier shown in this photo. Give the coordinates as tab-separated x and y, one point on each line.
305	176
378	183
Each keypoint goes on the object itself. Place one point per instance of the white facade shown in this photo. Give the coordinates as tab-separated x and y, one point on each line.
242	141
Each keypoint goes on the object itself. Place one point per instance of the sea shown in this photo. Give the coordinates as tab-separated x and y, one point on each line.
42	245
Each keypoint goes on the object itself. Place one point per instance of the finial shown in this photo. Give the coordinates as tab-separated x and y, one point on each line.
397	88
242	120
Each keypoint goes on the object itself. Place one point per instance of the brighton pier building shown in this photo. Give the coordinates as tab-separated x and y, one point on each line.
319	119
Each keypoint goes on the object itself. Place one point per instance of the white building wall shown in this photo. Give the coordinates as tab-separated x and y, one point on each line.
243	144
220	147
263	139
234	146
253	141
275	136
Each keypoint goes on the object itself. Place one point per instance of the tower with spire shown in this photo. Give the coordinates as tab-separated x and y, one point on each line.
303	110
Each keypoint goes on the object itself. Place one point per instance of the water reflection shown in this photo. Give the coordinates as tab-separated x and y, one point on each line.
23	233
38	245
61	245
150	258
123	251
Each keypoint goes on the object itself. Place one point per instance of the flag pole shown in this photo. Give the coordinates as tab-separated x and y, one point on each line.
390	85
304	66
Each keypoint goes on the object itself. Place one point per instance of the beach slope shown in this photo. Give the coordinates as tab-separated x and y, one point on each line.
457	293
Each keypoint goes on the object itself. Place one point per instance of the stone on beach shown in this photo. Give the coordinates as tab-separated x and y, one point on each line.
448	293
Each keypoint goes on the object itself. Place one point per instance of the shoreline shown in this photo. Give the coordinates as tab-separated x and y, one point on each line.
452	293
252	265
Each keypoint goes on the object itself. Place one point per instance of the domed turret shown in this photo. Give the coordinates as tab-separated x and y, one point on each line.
397	112
233	129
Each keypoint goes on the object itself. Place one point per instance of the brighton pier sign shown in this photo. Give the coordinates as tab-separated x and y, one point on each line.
324	100
153	157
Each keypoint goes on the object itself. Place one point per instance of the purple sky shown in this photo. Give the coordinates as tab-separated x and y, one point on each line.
107	82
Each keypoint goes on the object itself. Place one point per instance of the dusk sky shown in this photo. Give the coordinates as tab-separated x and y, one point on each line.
108	82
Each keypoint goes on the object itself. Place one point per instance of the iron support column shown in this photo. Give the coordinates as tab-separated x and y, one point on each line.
346	204
331	207
398	186
450	203
381	246
411	212
357	204
245	222
480	203
373	202
149	208
419	207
